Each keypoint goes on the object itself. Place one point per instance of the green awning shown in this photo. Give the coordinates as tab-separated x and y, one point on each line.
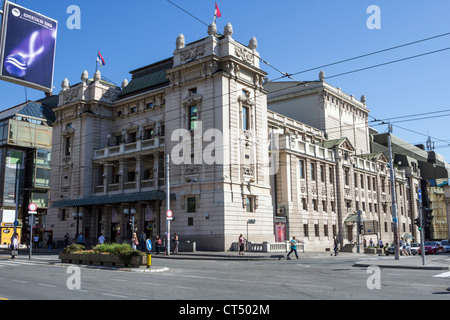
120	198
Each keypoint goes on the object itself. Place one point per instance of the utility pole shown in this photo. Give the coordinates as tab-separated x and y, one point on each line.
394	198
168	203
421	226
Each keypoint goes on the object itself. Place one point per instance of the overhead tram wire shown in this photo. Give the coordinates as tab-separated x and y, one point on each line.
369	54
285	74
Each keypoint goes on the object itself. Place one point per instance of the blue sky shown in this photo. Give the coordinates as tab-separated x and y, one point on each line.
293	35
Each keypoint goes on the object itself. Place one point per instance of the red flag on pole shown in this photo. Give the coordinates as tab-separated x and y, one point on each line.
217	13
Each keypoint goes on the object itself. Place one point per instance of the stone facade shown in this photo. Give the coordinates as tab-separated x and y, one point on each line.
210	117
236	166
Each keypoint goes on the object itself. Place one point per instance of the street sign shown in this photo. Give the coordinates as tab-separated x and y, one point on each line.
169	214
32	212
419	195
16	223
32	207
149	244
251	221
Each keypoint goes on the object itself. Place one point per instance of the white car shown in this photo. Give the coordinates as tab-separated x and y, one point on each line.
415	248
446	245
390	249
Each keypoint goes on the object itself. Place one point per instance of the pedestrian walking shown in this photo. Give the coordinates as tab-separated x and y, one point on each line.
14	246
142	239
80	238
101	239
134	241
50	242
241	241
403	246
36	241
335	245
293	248
175	243
158	243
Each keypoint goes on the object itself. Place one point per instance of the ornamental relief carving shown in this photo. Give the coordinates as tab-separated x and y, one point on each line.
245	55
70	95
193	53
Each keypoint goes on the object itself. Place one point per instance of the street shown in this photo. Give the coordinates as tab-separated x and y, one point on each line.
323	277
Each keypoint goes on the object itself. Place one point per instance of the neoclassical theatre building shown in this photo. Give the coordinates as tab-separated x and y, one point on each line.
267	160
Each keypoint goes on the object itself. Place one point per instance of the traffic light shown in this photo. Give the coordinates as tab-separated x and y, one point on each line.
360	228
428	217
417	223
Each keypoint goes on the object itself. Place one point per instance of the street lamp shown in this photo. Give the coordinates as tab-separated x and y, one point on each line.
132	212
77	216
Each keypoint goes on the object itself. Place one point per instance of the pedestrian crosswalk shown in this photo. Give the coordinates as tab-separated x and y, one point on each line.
6	261
443	275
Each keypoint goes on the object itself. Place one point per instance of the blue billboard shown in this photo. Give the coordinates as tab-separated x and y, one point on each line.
28	44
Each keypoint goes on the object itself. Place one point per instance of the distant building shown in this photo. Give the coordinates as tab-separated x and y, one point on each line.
25	153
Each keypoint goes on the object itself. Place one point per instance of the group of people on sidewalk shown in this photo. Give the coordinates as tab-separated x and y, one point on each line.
293	246
140	242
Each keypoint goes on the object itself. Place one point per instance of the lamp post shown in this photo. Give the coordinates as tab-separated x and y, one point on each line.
132	213
77	216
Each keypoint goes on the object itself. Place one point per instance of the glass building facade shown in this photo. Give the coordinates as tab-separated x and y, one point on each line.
25	153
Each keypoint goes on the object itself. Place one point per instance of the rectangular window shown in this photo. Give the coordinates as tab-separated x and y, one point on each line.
322	173
301	167
245	118
346	177
325	230
315	204
192	118
316	230
192	204
305	205
190	221
305	230
331	175
68	146
249	204
313	172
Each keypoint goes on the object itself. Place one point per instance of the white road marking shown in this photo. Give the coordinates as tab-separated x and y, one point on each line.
442	275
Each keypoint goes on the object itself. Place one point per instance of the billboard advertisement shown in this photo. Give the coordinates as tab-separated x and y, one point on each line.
28	43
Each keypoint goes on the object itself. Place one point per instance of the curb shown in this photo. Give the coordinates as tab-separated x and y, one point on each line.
366	265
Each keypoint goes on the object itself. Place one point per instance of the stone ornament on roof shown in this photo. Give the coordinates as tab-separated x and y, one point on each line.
253	44
65	84
84	76
212	29
228	30
321	75
180	41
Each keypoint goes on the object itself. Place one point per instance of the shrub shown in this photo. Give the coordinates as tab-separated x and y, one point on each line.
73	248
123	251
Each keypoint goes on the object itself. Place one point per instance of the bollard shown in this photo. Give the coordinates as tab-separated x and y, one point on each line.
149	260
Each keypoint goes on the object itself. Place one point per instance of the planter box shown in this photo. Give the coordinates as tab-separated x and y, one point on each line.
102	259
370	250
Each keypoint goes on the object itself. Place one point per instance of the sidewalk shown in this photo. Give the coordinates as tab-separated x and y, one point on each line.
440	262
408	262
234	255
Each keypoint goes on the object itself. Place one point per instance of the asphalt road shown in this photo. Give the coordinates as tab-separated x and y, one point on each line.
319	278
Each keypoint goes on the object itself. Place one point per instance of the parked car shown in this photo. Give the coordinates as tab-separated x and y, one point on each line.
432	247
390	249
446	245
415	248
